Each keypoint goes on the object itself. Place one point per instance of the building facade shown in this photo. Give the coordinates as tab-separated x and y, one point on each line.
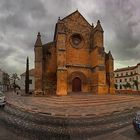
75	61
128	78
31	80
4	81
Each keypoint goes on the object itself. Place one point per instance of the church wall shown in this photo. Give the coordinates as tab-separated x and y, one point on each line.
94	57
51	61
49	75
79	55
98	39
61	65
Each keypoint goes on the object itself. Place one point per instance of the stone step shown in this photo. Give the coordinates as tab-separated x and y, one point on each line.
88	96
86	103
83	99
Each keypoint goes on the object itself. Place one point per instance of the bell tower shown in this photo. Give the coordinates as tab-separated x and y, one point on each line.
98	60
110	72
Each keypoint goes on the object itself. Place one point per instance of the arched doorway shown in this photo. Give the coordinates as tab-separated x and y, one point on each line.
76	84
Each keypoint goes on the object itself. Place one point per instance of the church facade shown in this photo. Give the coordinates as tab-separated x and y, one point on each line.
75	61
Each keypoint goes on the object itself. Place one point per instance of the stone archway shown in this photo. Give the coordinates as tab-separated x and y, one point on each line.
77	81
76	84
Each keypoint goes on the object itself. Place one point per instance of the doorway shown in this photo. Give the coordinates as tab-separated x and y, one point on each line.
76	84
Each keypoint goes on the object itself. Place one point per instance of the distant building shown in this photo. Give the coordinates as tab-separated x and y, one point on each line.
31	80
4	81
128	78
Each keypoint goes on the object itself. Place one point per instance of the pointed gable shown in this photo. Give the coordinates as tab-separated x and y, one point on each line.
76	16
110	55
38	42
98	26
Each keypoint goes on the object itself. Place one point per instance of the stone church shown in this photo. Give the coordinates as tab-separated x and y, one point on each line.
75	61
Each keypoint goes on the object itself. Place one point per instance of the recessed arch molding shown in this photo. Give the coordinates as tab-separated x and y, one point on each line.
81	75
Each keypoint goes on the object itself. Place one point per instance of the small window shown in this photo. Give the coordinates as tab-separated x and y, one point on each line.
133	78
126	73
116	81
121	74
129	79
125	80
120	86
117	75
76	40
120	80
30	81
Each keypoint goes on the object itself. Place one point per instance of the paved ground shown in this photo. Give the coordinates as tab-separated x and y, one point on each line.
7	134
75	104
126	133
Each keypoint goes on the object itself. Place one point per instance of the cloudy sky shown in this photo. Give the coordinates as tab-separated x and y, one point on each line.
20	20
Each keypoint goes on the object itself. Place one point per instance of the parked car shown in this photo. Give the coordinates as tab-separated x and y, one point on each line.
2	99
136	122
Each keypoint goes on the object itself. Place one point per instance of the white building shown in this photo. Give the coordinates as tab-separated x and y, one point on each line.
128	77
31	80
4	81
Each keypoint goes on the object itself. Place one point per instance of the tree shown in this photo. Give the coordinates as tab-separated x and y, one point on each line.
124	85
27	77
14	77
128	85
135	83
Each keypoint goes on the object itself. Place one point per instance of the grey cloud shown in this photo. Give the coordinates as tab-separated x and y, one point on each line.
118	19
20	20
5	52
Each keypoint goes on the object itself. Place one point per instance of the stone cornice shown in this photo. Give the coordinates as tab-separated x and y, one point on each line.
62	68
78	65
61	49
85	66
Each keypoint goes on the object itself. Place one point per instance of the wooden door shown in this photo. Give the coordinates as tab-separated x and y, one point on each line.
76	84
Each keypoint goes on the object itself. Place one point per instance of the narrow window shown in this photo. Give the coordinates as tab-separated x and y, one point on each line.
30	81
